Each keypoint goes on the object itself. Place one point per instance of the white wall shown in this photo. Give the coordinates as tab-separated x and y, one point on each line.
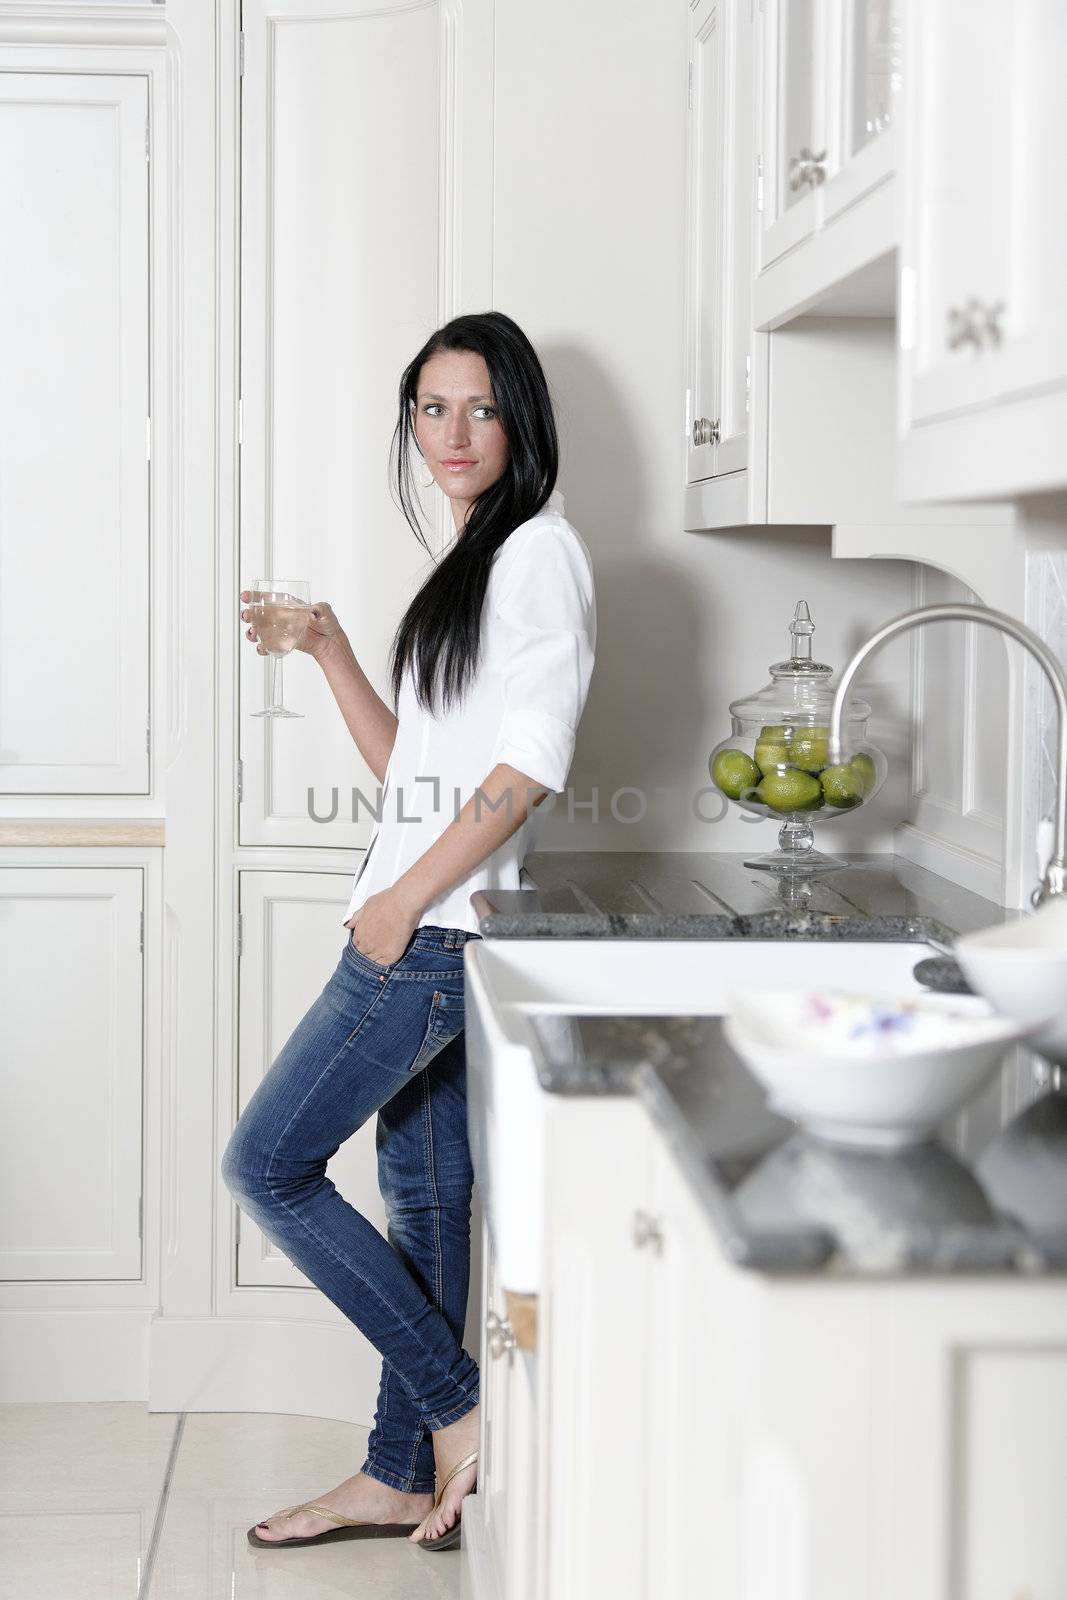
588	241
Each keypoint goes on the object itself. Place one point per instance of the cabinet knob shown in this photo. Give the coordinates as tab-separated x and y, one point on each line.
498	1336
647	1231
705	431
963	326
975	323
807	168
993	315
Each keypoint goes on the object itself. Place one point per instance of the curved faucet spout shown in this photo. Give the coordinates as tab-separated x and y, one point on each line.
1054	881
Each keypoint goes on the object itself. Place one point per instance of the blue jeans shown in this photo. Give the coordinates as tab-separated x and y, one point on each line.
385	1039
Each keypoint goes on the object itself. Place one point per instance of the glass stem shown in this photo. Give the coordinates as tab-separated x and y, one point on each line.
276	682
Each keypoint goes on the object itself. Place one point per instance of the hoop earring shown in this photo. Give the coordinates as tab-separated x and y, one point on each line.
426	478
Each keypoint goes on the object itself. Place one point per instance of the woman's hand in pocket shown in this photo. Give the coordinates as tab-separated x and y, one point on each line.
383	926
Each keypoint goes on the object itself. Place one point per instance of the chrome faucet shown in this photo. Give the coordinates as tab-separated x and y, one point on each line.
1054	881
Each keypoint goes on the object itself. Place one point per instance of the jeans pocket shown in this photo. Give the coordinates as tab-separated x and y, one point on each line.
445	1022
379	968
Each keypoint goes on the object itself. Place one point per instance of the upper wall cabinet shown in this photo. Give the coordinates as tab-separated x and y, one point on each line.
983	314
719	239
830	72
74	434
366	222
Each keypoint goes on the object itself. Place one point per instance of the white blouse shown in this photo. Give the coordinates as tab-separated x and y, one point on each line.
522	707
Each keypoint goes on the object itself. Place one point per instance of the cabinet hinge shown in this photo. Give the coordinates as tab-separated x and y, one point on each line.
240	780
759	183
240	934
148	438
240	421
142	933
240	55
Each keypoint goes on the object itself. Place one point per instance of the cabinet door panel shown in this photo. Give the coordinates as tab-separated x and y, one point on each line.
74	404
793	66
739	192
292	940
707	131
684	1371
719	246
364	226
70	1129
986	245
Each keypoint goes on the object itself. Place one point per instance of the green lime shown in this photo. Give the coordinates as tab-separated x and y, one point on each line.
733	772
776	731
842	786
771	754
809	750
866	771
792	790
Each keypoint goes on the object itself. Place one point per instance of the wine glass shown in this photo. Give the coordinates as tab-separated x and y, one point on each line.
280	615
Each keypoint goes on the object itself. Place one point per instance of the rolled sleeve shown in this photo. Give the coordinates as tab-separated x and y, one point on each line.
547	617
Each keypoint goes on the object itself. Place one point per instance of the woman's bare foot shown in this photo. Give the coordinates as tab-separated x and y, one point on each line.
362	1498
450	1445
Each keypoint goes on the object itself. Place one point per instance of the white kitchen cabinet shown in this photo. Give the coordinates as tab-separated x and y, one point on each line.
71	989
829	75
719	346
690	1426
596	1356
503	1533
683	1467
290	938
75	433
983	319
354	247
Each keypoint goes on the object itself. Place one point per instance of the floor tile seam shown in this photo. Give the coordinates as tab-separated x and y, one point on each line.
161	1508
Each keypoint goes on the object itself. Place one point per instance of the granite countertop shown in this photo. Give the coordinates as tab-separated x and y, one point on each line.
780	1201
712	895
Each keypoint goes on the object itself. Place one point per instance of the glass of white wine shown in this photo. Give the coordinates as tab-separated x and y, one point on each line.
281	610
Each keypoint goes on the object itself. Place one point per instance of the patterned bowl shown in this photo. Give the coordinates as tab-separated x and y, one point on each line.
867	1070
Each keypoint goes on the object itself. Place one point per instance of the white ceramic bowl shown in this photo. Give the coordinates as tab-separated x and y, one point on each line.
863	1070
1021	968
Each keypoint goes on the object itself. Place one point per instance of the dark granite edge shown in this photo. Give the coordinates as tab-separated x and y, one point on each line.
824	926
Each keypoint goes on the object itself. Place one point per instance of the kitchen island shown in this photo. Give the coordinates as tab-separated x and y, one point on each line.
847	1378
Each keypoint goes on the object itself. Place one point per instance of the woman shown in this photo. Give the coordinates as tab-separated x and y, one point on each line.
490	671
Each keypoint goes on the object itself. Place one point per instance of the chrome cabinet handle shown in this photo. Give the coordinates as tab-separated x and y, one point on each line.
993	314
499	1337
975	324
647	1231
807	168
963	326
705	431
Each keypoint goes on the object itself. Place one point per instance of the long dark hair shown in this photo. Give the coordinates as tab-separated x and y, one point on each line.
440	631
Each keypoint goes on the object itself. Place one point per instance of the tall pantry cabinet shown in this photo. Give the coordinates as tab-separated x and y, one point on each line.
83	627
214	296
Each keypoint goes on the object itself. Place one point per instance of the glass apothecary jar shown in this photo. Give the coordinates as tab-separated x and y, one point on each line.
776	762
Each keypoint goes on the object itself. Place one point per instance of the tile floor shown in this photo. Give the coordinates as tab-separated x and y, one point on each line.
113	1502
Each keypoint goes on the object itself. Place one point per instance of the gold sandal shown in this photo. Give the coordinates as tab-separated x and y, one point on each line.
348	1529
451	1535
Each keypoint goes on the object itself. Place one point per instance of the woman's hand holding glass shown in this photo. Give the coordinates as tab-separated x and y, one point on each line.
281	619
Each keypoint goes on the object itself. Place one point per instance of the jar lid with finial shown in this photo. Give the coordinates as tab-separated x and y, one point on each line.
801	690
